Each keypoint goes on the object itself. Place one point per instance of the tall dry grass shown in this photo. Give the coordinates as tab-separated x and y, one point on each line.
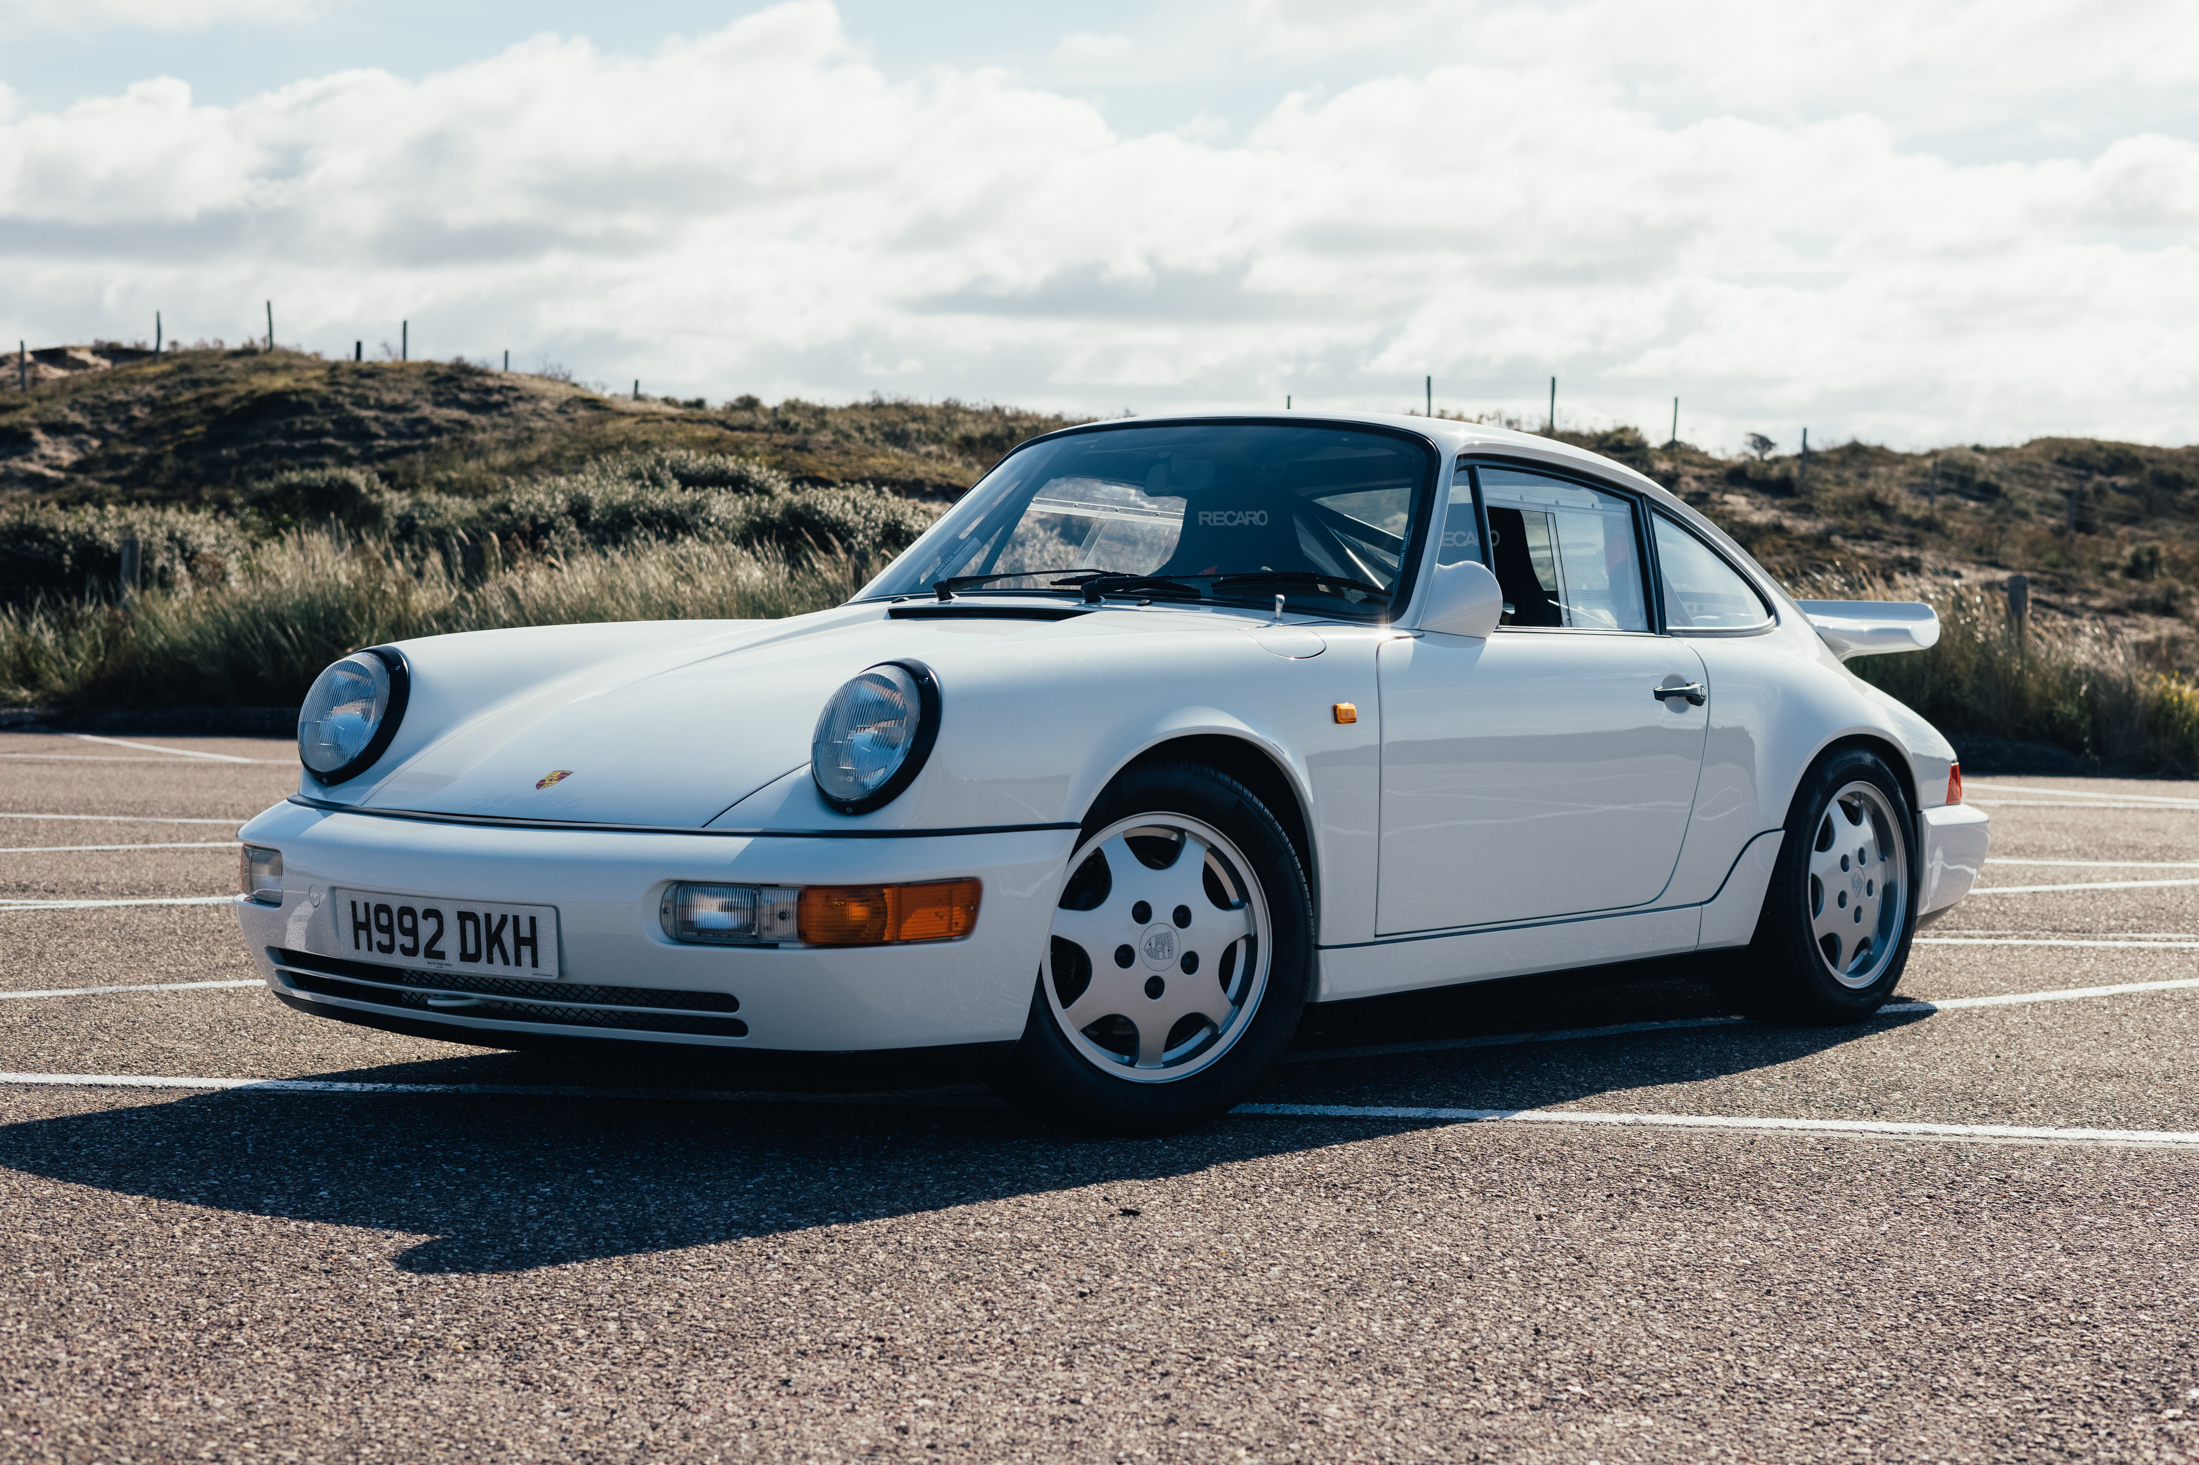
306	599
2077	687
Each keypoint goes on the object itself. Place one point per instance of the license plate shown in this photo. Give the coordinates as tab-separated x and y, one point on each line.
429	934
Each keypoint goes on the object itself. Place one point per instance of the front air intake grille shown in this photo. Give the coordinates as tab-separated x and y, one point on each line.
635	1009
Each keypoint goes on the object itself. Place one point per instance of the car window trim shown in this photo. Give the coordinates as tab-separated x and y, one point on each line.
1764	627
1644	548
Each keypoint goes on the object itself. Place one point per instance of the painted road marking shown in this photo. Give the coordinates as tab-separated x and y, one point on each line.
117	758
157	748
89	905
127	819
2088	885
2050	804
1721	1121
1891	1009
78	849
2104	864
2066	793
130	987
965	1099
2124	945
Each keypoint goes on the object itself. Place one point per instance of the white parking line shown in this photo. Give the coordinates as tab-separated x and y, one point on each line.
2102	864
1568	1035
2055	994
157	748
938	1100
126	819
118	758
2124	945
2088	885
2048	803
2071	793
88	905
968	1096
78	849
130	987
1721	1121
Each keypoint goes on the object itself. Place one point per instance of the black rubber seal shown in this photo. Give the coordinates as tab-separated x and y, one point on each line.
927	733
400	693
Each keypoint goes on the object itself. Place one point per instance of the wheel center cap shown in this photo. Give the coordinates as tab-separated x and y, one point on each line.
1158	946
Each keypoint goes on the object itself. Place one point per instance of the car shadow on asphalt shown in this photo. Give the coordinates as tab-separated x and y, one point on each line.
503	1183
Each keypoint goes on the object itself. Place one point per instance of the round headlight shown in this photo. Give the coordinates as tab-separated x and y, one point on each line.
874	735
351	713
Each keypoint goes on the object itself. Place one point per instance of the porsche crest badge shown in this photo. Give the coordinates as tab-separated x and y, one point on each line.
555	775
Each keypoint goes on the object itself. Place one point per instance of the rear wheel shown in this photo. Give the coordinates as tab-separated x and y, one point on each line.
1834	935
1179	958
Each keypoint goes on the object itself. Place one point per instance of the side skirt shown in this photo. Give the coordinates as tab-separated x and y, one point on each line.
1445	958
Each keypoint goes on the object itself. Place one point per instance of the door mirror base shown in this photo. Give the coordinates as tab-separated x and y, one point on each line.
1463	600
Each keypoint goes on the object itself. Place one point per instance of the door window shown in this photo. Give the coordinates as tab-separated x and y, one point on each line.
1702	591
1566	555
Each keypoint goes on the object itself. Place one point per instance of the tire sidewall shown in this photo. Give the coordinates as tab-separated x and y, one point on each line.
1810	992
1050	1069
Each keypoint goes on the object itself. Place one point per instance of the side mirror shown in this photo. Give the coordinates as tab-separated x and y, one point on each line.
1465	600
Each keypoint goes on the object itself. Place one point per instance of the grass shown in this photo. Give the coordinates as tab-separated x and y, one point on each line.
310	597
2072	686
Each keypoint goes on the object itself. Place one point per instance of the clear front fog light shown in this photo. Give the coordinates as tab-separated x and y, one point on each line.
728	915
260	874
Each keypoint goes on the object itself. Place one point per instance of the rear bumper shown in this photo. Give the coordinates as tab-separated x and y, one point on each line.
612	953
1954	853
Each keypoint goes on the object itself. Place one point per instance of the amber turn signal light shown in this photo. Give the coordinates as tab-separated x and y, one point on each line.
1954	783
1347	712
878	915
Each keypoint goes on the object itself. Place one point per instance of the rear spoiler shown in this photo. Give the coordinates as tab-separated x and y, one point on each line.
1872	627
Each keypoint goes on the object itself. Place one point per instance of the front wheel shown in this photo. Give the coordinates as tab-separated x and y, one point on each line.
1179	960
1834	935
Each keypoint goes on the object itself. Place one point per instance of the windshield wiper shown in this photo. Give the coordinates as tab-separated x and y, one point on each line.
1096	586
946	588
1301	577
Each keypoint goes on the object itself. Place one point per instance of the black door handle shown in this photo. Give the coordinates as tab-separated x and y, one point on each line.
1693	691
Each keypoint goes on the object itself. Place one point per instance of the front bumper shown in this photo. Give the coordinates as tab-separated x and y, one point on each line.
606	886
1954	852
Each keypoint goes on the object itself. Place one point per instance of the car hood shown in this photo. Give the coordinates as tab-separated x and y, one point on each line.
668	737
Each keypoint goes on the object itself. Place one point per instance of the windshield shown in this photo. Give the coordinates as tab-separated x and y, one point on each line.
1237	512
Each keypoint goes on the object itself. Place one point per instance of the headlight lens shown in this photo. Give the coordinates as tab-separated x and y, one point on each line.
350	714
873	736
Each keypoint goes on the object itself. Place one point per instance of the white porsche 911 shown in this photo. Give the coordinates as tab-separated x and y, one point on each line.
1168	728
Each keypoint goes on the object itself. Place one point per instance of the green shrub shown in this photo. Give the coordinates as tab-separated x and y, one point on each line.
46	551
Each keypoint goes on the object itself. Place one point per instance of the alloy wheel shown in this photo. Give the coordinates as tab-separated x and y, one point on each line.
1160	950
1858	884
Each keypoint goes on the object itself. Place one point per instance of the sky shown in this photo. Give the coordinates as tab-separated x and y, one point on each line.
1917	223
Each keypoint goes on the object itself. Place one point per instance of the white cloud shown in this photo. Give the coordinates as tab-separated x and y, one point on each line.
19	16
762	209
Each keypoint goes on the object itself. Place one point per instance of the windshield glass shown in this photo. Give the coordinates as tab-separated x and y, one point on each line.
1239	512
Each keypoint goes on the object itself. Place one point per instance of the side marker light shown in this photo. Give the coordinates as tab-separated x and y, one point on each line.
879	915
1347	712
1954	783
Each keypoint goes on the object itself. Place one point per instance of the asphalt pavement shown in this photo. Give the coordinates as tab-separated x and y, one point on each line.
1590	1218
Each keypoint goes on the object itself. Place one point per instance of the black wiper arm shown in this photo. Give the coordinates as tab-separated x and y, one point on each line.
1096	586
946	588
1300	577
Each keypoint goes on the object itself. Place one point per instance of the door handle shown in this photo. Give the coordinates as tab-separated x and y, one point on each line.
1693	691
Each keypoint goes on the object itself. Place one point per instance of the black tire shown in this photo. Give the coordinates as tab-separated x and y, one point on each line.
1808	963
1107	1075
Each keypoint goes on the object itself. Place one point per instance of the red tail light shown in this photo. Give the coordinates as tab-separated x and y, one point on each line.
1954	783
